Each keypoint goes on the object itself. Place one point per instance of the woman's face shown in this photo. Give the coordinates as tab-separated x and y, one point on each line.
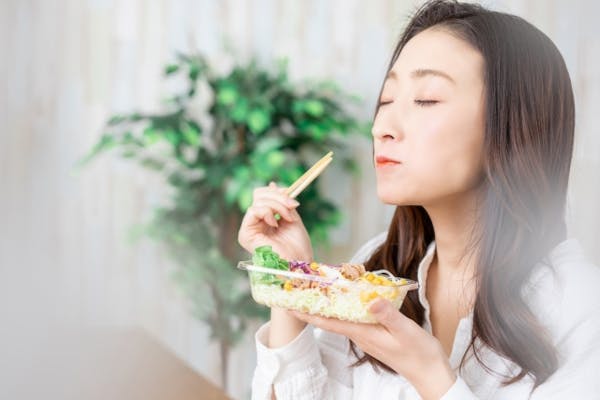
428	132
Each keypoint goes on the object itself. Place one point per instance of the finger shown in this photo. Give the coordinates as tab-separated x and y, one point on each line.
277	207
265	214
279	189
345	328
314	320
289	204
387	315
275	194
281	197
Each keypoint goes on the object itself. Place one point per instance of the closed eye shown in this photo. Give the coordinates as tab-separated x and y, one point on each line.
425	103
383	103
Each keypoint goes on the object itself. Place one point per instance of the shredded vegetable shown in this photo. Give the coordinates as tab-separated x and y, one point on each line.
264	256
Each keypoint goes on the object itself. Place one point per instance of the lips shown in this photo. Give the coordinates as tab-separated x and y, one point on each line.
381	161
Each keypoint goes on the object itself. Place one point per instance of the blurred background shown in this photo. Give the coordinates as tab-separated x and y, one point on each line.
69	256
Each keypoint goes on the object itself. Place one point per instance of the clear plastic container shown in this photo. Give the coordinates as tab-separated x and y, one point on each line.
326	295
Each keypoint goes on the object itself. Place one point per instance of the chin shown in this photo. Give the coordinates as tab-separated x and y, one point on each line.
392	197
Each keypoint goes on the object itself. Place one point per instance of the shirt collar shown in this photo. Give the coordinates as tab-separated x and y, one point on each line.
422	279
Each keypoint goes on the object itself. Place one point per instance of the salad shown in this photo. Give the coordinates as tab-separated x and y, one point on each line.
342	291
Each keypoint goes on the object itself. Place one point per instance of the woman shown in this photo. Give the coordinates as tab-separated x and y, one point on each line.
473	137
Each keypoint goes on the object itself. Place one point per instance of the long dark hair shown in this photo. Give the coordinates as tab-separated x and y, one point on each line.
529	113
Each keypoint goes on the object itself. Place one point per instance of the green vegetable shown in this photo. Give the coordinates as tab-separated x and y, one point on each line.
264	256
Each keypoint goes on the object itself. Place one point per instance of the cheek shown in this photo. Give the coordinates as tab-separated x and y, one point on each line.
444	158
443	154
453	149
461	172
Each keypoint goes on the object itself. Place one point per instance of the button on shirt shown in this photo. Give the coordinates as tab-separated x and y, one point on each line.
563	293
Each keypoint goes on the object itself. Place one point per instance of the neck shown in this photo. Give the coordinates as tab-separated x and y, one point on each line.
453	224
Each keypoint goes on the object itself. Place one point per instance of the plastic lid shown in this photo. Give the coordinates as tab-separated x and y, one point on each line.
248	266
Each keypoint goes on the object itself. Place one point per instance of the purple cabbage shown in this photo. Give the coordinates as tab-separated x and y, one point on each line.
300	265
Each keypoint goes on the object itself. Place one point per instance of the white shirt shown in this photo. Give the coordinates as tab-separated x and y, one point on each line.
565	296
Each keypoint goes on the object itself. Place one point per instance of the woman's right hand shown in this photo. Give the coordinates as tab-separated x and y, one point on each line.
288	236
289	239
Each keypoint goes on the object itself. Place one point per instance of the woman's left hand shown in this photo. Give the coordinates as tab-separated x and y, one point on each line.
398	342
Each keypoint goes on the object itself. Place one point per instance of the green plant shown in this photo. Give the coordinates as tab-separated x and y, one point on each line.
217	140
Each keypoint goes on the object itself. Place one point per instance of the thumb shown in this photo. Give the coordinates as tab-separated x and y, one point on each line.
387	315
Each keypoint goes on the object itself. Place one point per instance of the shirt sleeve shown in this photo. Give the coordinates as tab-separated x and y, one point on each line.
313	366
459	391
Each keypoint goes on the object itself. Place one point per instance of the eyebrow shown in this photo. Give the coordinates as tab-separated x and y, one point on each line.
420	73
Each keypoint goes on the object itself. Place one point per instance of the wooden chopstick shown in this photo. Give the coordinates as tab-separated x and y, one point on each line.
310	175
298	181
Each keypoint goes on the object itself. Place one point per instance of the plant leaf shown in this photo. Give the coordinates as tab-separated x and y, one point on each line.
245	198
314	108
171	69
258	120
227	94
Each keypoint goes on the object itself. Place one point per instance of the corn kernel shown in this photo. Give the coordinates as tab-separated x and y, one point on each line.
314	266
287	285
364	297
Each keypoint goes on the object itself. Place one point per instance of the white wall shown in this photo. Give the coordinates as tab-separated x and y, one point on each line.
66	65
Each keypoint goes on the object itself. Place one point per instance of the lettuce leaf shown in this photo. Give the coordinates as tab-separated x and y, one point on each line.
264	256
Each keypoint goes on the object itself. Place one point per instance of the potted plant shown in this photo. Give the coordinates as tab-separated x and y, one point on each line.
216	140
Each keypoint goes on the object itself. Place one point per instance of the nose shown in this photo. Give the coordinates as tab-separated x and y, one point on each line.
384	132
387	124
382	135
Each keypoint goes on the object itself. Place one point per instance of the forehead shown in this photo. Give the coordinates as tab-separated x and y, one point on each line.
439	50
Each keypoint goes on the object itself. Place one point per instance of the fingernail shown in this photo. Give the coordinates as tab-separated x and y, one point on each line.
293	203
